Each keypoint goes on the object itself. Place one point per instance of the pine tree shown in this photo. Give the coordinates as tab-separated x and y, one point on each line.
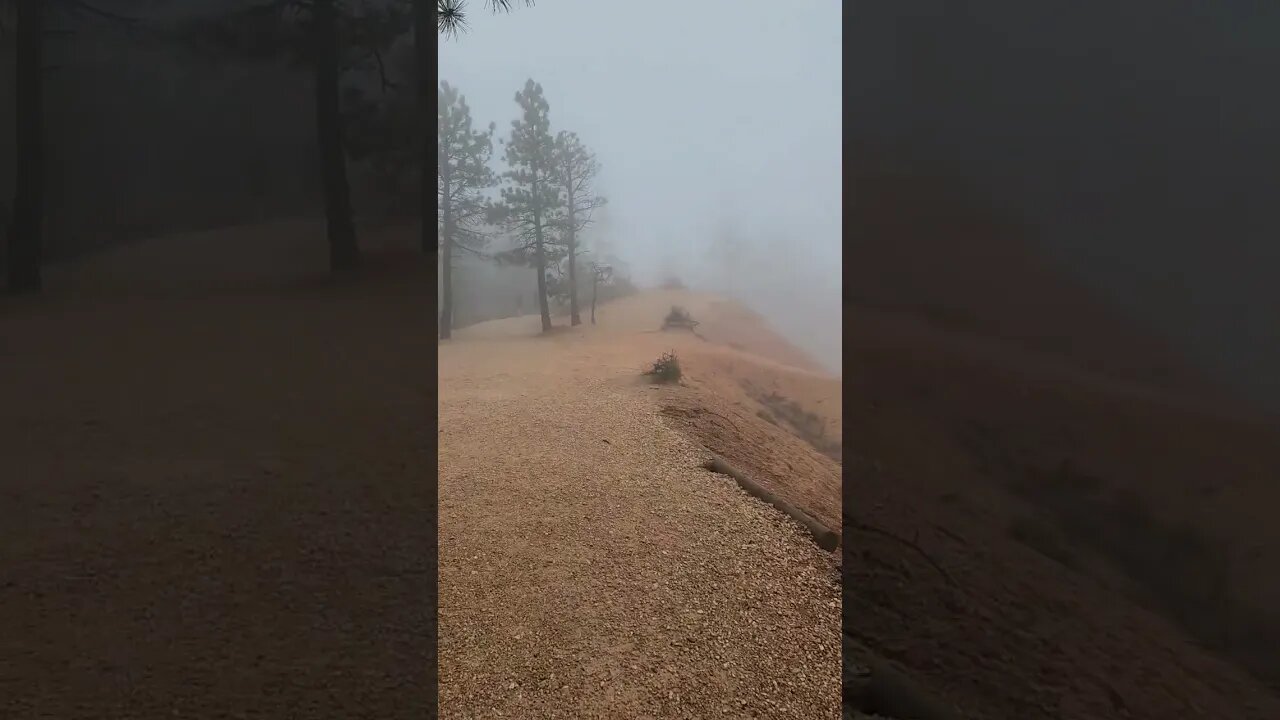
575	171
532	207
463	174
333	37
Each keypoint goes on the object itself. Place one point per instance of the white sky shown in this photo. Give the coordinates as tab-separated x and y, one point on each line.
704	115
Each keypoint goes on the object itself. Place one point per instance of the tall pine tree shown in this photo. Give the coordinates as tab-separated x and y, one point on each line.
463	173
532	208
574	170
333	37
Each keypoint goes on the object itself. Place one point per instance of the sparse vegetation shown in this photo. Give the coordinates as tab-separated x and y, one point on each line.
666	369
603	278
805	424
678	317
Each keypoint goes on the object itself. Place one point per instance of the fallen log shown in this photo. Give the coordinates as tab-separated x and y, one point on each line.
822	535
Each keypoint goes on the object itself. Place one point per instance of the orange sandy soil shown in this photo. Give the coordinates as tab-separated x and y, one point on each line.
999	628
589	566
216	496
964	564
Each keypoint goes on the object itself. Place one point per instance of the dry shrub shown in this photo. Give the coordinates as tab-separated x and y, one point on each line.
665	369
806	425
678	317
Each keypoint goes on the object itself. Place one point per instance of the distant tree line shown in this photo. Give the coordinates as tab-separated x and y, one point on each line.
546	199
370	107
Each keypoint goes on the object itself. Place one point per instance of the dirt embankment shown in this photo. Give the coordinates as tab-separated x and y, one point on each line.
1023	536
752	398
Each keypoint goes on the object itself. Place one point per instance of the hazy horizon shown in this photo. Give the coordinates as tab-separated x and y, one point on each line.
737	133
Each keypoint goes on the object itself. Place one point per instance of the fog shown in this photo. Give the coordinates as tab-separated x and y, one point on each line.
1136	141
711	120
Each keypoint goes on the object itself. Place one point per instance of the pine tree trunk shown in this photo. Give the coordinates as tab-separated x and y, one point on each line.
570	229
26	226
595	283
540	259
446	302
574	318
344	252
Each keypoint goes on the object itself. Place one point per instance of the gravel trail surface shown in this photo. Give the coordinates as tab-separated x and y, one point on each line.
590	569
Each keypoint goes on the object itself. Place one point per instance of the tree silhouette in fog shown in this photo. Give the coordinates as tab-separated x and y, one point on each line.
532	208
575	168
463	173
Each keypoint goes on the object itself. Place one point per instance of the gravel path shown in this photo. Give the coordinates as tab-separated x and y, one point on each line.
590	569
